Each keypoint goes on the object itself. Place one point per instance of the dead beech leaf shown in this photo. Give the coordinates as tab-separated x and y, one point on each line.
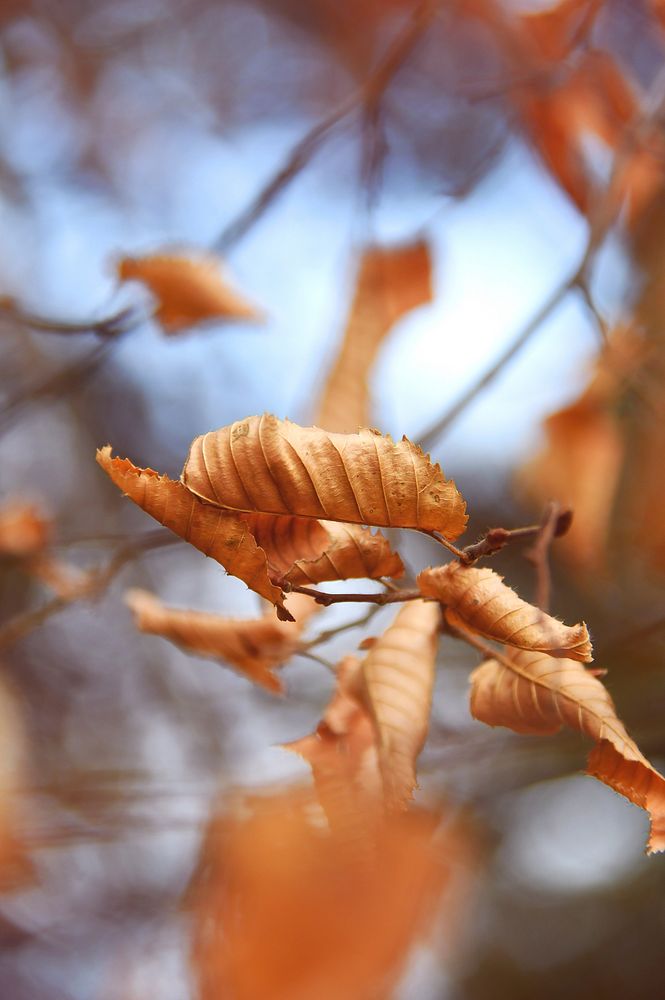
391	281
342	753
188	289
534	693
480	600
24	531
352	553
399	677
254	646
282	910
221	534
552	30
274	466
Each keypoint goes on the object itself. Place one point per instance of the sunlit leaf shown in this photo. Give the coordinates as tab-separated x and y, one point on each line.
480	600
534	693
274	466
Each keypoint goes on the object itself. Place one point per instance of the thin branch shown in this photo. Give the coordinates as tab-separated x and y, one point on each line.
317	659
538	554
108	328
385	597
330	633
497	538
367	95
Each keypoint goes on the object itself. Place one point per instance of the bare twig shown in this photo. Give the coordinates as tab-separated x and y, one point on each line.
538	554
497	538
368	95
330	633
385	597
108	328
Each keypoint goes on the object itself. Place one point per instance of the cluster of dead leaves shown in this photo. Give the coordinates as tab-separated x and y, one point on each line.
274	503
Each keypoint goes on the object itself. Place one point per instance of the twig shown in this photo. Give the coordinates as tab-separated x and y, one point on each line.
330	633
538	554
389	597
497	538
299	156
54	385
98	581
109	328
317	659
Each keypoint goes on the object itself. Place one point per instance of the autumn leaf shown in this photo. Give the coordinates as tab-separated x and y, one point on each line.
254	646
479	600
282	910
188	289
399	677
391	281
552	30
221	534
534	693
24	531
274	466
343	755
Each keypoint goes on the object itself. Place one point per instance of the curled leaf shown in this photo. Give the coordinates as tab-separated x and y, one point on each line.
479	600
255	646
399	677
221	534
274	466
188	289
534	693
391	281
342	753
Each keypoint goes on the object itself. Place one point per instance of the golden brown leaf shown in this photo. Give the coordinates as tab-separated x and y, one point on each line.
282	910
552	30
188	289
342	753
254	646
24	531
399	678
221	534
479	600
534	693
353	552
274	466
391	281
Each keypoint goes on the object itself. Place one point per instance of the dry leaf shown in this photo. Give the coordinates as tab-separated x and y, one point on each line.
352	553
479	600
188	289
24	531
255	646
274	466
552	30
391	281
283	911
220	534
399	678
342	753
534	693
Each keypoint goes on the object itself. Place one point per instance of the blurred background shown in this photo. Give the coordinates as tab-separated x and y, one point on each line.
522	143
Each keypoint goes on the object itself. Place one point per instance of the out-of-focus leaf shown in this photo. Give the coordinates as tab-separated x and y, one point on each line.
399	677
478	599
24	531
534	693
274	466
254	646
391	281
283	910
188	289
221	534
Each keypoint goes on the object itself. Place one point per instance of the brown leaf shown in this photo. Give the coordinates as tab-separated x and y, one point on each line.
399	678
254	646
534	693
554	29
188	289
274	466
221	534
352	553
282	910
391	281
24	531
479	600
342	753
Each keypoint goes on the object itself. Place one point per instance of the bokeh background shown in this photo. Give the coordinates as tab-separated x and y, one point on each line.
518	139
